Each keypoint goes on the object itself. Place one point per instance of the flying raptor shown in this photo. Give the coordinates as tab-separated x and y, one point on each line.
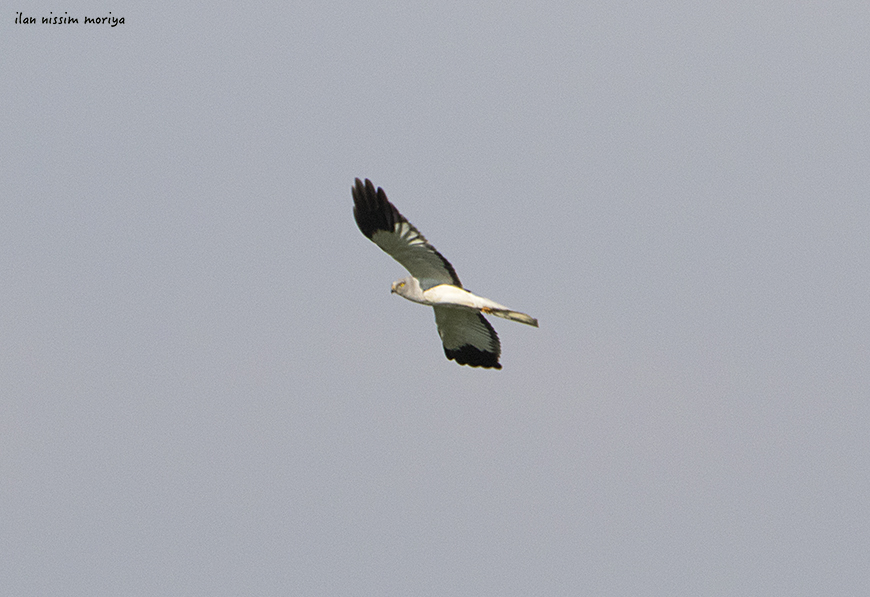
468	337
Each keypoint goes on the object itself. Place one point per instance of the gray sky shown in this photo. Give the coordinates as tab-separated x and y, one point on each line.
208	389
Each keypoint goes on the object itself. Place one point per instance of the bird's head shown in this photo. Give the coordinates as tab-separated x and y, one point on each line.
408	288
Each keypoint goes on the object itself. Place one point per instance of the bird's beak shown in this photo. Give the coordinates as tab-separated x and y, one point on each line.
393	288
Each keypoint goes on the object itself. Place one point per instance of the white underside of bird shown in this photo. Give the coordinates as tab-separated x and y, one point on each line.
448	295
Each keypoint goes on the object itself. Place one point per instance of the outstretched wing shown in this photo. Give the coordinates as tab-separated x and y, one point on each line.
382	223
468	337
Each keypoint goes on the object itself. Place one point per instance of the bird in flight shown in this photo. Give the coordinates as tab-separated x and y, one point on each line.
468	338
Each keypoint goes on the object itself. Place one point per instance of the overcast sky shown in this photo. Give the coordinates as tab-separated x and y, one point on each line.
207	388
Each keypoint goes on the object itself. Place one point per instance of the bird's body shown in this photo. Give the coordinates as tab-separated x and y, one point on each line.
454	296
467	336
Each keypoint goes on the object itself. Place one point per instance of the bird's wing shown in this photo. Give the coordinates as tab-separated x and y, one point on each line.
382	223
468	337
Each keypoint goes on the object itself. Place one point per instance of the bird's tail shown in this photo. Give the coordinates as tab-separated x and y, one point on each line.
512	315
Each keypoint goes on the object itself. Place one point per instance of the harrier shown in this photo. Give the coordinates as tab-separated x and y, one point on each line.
468	337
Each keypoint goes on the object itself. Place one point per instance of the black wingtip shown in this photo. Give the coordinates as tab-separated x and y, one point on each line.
473	357
371	209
